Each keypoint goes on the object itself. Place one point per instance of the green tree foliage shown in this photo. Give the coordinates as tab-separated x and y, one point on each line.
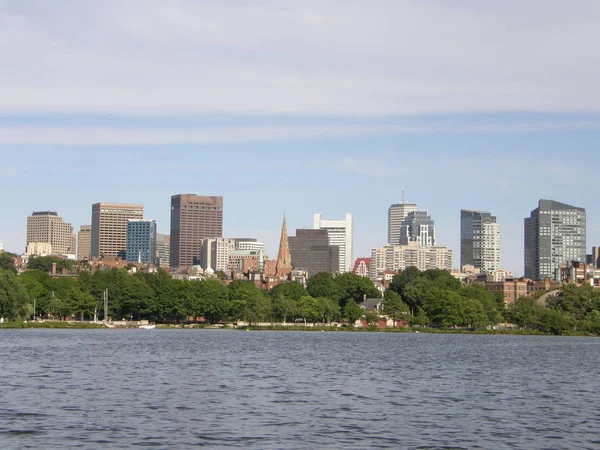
44	263
324	285
284	308
330	310
578	301
372	317
291	290
352	312
400	280
14	300
355	287
493	309
210	299
393	306
249	303
7	262
309	308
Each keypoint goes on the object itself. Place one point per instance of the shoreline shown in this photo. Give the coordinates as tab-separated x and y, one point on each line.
97	326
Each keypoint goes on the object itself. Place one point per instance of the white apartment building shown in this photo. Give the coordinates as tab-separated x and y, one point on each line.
216	253
250	245
399	257
340	233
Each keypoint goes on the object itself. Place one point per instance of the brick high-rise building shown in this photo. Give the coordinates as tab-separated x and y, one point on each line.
109	228
84	242
48	227
193	218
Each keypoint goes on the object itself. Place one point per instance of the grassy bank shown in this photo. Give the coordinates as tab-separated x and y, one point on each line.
77	325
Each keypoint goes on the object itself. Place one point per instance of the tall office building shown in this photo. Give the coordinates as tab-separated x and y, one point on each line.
141	241
555	234
479	240
84	242
48	227
417	227
163	250
310	250
341	234
396	215
109	228
193	218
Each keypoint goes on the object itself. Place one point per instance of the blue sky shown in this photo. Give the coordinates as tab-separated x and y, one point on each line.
293	107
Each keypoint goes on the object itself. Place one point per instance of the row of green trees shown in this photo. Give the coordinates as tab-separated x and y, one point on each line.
426	298
436	298
158	297
575	308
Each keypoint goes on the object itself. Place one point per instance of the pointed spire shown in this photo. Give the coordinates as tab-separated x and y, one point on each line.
284	261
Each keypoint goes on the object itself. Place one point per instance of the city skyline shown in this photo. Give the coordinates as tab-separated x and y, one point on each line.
303	110
271	247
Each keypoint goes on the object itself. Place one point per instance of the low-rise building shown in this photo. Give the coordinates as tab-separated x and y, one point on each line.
398	257
362	267
511	289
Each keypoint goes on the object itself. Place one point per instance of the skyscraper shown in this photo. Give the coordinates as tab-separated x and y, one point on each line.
396	215
417	227
193	218
555	234
141	241
84	242
48	227
341	234
109	228
163	250
479	240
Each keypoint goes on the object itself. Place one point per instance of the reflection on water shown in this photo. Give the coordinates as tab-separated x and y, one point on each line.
223	388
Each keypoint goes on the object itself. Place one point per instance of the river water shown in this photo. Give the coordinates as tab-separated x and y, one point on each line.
296	390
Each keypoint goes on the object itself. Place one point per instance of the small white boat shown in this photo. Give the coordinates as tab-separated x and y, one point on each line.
148	327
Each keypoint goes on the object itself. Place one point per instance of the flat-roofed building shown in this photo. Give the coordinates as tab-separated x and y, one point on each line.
84	242
341	234
310	250
163	250
48	227
141	241
399	257
555	235
109	228
193	219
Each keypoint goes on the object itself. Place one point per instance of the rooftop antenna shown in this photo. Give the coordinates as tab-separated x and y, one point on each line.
403	196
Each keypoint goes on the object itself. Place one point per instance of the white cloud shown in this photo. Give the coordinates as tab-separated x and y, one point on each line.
84	135
311	57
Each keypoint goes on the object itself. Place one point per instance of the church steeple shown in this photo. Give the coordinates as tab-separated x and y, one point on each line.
284	261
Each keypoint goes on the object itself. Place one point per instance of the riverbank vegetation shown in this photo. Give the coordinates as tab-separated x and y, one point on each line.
432	300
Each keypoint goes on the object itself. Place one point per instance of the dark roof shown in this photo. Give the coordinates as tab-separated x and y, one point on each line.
371	304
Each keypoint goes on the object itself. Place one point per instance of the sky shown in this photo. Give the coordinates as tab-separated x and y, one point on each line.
286	107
